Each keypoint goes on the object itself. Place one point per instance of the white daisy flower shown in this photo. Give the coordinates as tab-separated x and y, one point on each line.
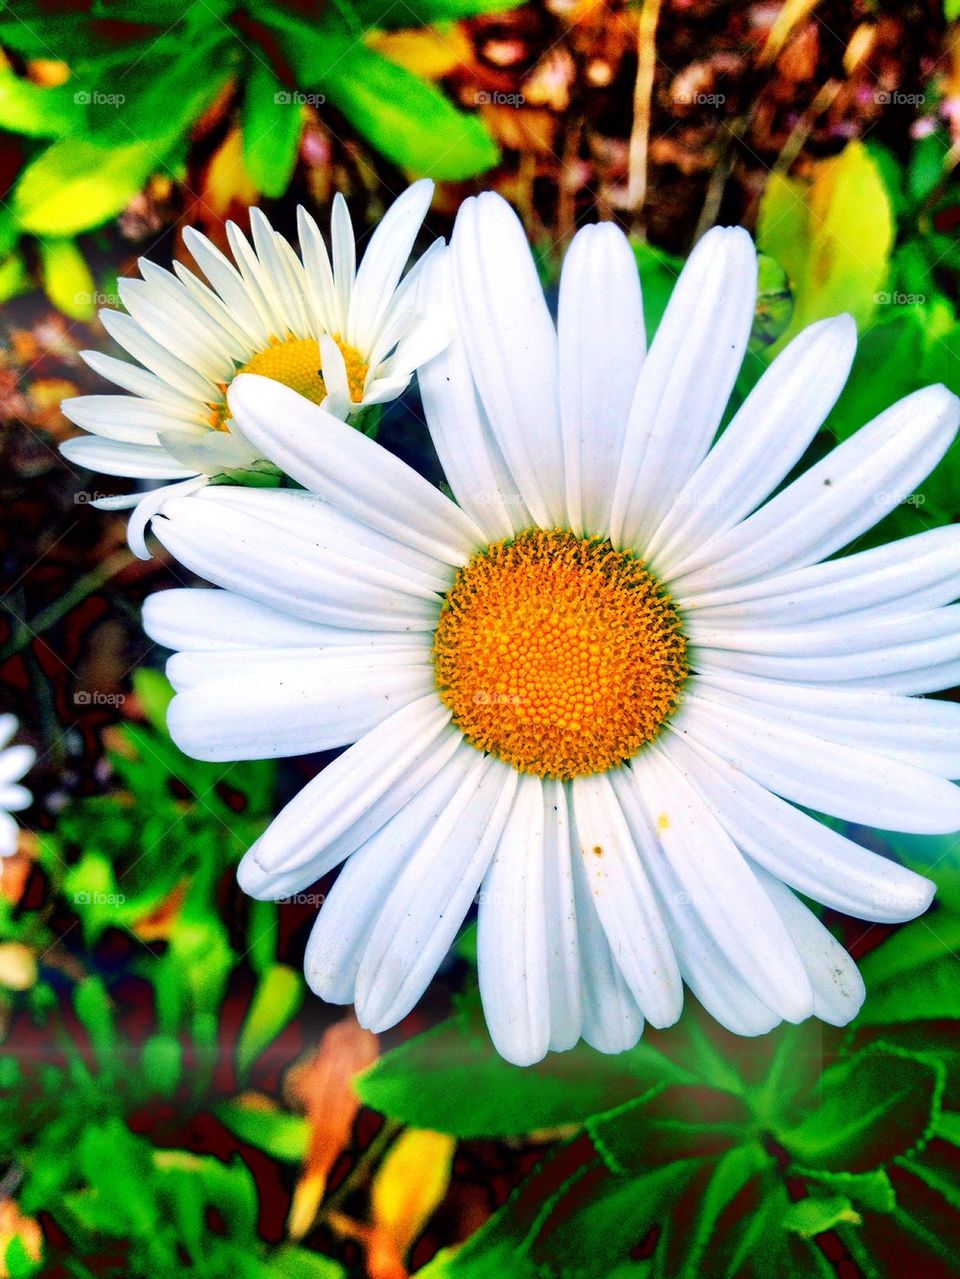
598	687
15	761
342	336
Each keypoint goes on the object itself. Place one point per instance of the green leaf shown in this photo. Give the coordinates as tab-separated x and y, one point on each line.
67	280
272	122
298	1263
154	693
92	1005
161	1063
670	1123
18	1264
282	1135
833	236
75	184
277	1001
658	274
408	119
812	1216
870	1190
868	1110
927	165
887	367
386	15
14	278
450	1079
28	108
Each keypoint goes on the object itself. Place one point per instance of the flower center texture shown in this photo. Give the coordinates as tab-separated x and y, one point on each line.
559	654
296	363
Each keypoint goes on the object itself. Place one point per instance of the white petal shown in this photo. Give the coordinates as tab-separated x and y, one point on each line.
318	275
844	781
212	453
764	441
625	902
563	945
310	577
8	727
512	348
838	989
920	732
836	500
9	835
907	576
15	798
512	933
847	650
114	457
148	506
383	261
422	914
803	852
601	344
211	620
612	1022
351	471
133	420
14	762
281	275
469	454
228	282
358	792
188	339
344	258
719	884
281	706
191	314
180	375
685	381
369	879
140	381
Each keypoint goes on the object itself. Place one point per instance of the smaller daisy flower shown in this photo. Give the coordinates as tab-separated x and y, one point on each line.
343	336
14	763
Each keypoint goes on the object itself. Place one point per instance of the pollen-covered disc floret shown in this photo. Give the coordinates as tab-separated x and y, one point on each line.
559	654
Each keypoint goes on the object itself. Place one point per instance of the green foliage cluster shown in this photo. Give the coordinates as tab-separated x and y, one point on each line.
154	850
141	77
698	1152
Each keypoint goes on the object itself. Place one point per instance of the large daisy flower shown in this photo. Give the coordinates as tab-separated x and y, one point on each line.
342	336
15	761
601	686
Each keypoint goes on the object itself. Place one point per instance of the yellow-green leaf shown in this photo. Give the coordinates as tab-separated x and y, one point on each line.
833	235
67	280
75	185
278	998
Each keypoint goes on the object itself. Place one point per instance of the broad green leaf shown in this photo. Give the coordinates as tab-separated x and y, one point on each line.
155	693
947	1126
408	119
887	366
272	122
451	1079
658	274
92	1005
75	184
282	1135
812	1216
671	1123
386	15
927	165
17	1262
14	278
867	1110
38	112
870	1190
601	1220
277	1001
67	280
161	1063
833	235
298	1263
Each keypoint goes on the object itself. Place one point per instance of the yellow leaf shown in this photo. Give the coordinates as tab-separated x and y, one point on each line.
790	16
428	52
67	280
411	1184
832	235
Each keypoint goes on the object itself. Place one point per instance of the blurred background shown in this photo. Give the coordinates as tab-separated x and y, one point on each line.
172	1100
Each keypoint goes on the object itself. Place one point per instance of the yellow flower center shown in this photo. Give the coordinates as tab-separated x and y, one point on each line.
296	363
559	654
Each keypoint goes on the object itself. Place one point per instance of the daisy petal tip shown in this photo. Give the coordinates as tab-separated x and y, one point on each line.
253	880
